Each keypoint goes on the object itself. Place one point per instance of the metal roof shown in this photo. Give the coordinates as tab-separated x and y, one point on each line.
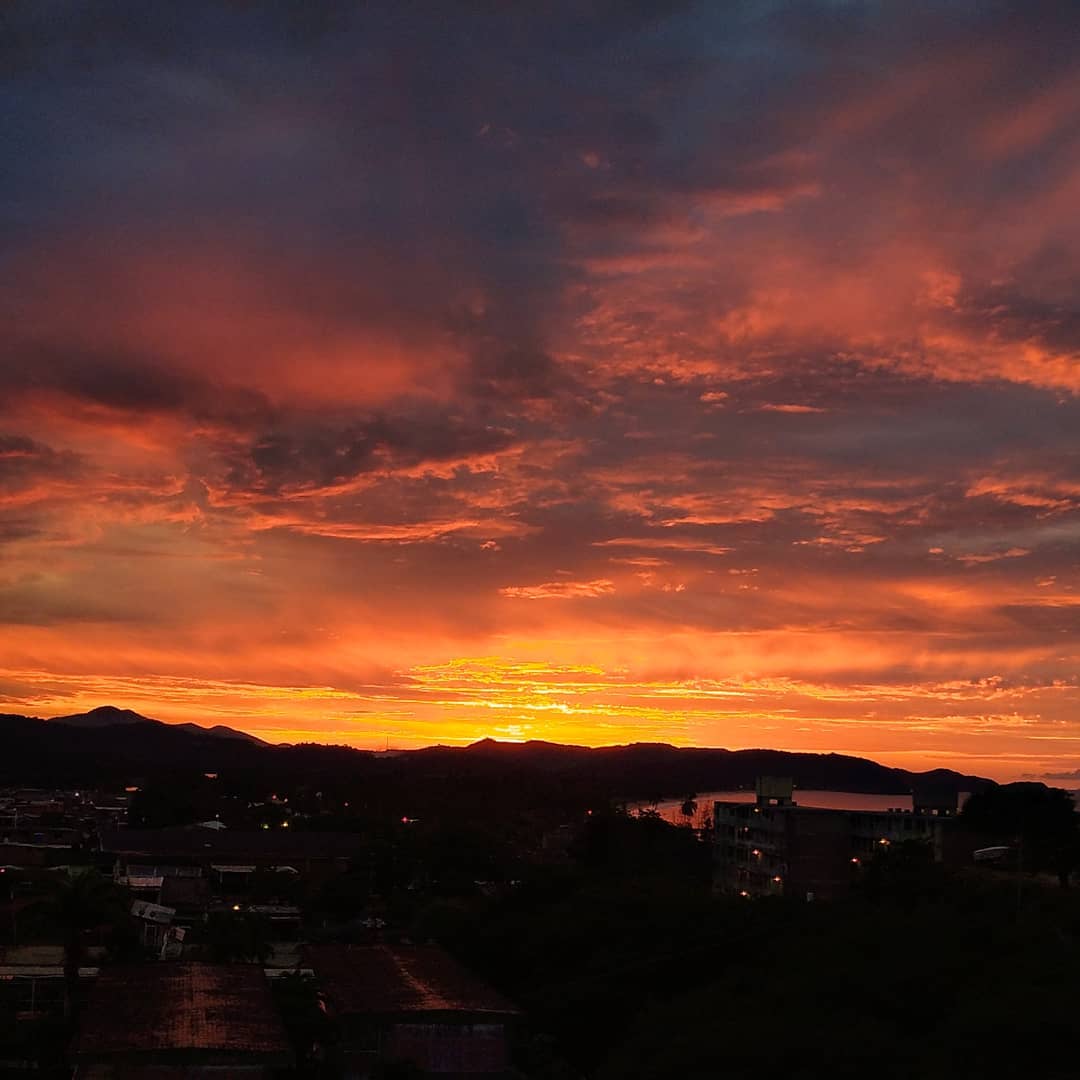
19	957
162	1007
155	913
381	979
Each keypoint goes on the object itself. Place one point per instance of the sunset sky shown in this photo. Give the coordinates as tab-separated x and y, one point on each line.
598	372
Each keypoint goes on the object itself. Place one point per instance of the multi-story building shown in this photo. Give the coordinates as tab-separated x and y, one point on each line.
774	847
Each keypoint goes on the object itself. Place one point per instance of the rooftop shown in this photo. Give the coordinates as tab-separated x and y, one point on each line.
745	808
146	1008
230	844
41	961
184	891
381	979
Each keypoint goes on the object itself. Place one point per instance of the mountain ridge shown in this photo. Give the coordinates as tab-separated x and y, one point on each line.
119	746
104	716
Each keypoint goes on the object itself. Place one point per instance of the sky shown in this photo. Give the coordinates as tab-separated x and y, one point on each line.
398	374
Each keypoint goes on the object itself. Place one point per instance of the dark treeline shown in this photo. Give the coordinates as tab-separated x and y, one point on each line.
631	968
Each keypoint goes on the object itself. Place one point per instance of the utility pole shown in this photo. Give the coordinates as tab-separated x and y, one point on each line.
11	900
1019	873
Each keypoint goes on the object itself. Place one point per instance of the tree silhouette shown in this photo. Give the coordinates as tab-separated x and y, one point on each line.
235	936
1041	818
78	903
306	1022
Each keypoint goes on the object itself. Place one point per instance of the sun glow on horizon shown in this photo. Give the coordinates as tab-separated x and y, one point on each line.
586	704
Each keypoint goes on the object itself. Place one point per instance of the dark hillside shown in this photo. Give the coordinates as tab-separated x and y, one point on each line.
500	774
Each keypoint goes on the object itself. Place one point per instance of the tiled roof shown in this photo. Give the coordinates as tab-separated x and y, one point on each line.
381	979
141	1008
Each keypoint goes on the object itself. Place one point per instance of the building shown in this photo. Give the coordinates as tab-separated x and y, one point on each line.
36	820
154	922
774	847
180	1020
412	1005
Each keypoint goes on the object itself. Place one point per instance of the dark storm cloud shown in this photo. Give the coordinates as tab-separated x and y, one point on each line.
443	140
24	461
520	374
1015	317
12	529
451	148
138	386
322	458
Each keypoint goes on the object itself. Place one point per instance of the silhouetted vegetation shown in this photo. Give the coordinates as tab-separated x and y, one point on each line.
1040	819
76	904
235	936
629	967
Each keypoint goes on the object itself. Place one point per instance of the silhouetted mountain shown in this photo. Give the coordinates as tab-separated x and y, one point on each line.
220	731
114	746
659	770
105	716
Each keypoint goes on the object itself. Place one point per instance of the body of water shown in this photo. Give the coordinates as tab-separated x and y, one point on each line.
670	809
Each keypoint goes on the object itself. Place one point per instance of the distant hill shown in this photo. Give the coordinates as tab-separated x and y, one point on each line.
105	716
111	746
657	770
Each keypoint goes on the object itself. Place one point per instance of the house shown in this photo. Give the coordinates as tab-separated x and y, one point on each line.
412	1005
154	922
180	1019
